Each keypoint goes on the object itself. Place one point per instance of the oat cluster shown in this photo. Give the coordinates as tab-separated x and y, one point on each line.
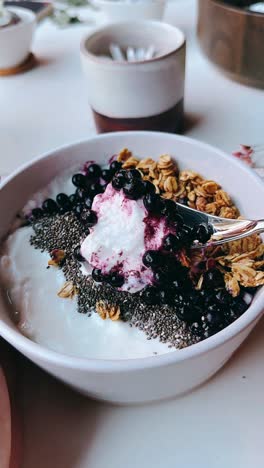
243	268
57	257
68	290
198	193
106	310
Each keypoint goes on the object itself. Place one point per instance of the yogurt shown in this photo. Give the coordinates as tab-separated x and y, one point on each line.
121	237
53	321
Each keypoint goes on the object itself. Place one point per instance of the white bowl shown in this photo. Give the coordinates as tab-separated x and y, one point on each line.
126	10
157	377
16	40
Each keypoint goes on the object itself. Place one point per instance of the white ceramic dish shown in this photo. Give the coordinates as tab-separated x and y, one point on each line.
123	10
154	378
16	40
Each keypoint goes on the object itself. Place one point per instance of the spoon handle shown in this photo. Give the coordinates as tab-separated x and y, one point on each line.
244	229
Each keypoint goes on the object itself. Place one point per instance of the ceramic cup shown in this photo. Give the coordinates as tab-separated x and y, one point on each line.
120	10
16	40
143	95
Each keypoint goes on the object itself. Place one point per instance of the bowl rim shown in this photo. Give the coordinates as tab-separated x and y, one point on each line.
235	9
101	61
30	348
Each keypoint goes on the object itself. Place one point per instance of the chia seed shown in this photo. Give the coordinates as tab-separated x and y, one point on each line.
66	232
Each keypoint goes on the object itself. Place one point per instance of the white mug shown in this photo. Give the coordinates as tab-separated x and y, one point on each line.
121	10
16	40
142	95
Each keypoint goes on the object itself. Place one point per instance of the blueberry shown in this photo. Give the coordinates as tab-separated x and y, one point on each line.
88	217
95	189
186	234
79	180
188	312
207	297
223	297
195	298
148	187
88	202
64	209
214	308
179	299
87	231
78	209
98	275
160	276
115	280
81	194
119	180
171	243
210	228
63	202
214	319
77	254
176	285
166	296
73	199
150	295
202	233
62	199
93	171
197	329
152	203
178	221
132	174
107	175
213	279
115	166
37	213
187	284
50	206
134	189
171	269
239	306
169	209
151	259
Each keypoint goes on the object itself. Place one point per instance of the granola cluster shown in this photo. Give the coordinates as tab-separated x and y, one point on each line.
242	261
57	257
106	310
197	192
243	268
68	290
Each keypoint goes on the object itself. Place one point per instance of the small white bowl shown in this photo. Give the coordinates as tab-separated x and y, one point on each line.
124	10
157	377
16	40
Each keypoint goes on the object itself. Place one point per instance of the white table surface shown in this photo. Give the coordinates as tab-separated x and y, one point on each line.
221	423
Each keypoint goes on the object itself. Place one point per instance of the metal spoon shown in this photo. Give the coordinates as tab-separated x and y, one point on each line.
225	230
